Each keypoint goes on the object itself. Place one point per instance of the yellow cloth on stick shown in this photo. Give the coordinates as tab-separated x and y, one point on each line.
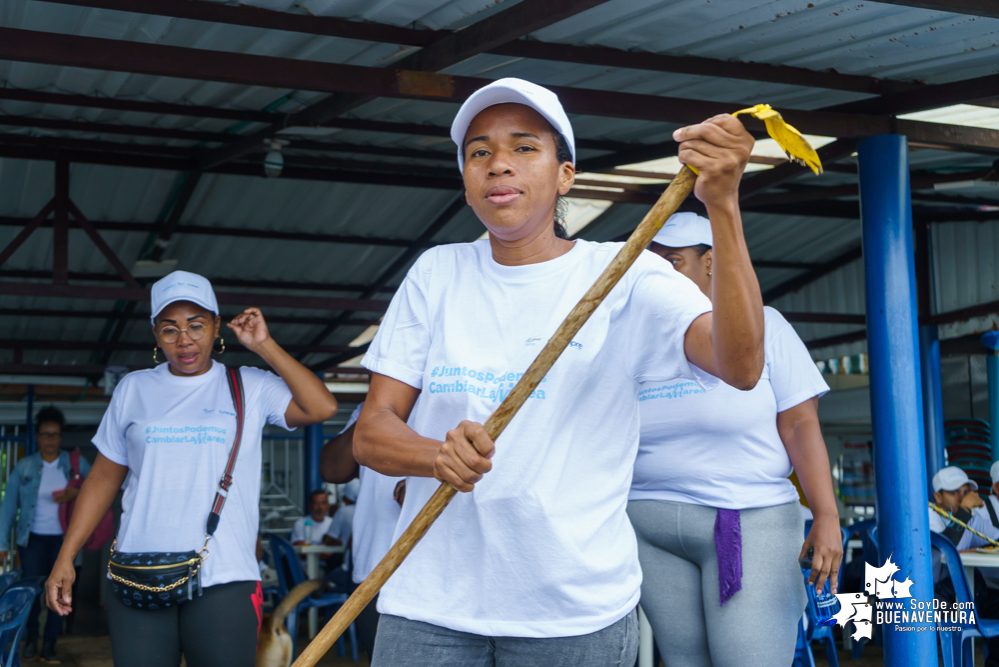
787	137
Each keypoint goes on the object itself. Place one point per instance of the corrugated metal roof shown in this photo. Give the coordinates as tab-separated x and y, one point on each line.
861	38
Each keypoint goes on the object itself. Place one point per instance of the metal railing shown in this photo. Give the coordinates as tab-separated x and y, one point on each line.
281	479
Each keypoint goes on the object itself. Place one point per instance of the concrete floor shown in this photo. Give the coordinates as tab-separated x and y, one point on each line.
96	652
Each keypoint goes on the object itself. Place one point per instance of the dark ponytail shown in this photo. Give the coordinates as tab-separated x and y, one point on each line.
563	154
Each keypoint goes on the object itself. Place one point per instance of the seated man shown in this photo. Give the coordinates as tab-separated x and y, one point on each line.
955	493
319	520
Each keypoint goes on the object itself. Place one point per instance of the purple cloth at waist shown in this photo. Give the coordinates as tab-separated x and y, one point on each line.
728	547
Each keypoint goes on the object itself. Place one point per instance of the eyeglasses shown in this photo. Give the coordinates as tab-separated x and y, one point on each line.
195	331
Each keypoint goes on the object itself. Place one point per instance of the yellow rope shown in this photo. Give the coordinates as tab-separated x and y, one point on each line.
953	518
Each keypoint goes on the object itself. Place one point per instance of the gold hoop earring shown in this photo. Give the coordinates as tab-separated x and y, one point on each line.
156	349
222	342
709	272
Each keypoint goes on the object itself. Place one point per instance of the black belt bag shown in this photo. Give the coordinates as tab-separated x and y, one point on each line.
159	580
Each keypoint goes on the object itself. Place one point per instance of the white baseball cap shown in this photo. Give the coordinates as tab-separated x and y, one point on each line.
683	230
516	91
182	286
350	489
994	472
951	478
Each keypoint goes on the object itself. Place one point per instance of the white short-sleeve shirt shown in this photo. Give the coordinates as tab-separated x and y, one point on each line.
721	447
316	530
175	434
542	547
375	515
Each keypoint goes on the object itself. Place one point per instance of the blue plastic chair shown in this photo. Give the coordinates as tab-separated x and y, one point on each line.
15	605
802	649
286	563
7	579
956	644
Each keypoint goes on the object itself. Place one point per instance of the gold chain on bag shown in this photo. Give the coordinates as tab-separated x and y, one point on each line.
158	589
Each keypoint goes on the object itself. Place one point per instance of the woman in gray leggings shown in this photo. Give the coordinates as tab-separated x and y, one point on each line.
718	522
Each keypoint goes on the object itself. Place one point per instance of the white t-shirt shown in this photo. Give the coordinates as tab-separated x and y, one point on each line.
316	530
46	519
175	434
542	547
342	524
721	447
375	516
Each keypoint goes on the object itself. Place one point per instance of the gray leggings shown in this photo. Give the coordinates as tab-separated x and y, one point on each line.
756	627
405	643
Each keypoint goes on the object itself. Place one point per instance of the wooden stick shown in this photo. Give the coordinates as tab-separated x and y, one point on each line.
678	190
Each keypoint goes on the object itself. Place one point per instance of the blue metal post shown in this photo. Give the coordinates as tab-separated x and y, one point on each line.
933	421
896	391
29	433
990	340
313	446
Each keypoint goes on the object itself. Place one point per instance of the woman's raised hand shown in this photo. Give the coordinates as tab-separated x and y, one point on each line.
718	149
250	328
464	457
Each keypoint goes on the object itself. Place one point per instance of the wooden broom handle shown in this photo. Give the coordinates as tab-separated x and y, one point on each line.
678	190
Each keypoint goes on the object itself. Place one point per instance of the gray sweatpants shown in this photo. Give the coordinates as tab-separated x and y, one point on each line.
756	627
405	643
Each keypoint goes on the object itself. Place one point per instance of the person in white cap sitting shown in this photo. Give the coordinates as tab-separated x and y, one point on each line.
169	435
954	492
719	523
535	562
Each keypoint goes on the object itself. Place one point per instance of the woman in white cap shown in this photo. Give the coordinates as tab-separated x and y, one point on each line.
169	435
718	521
538	565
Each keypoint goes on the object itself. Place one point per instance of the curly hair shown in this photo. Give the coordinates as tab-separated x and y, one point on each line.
50	413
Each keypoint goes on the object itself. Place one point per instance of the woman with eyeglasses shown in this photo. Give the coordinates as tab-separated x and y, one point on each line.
36	488
167	435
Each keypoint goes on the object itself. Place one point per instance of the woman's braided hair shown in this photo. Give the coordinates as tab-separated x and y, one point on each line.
564	154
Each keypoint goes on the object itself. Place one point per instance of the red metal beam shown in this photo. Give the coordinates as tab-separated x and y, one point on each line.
195	111
228	298
288	73
824	318
985	8
808	277
235	232
114	128
135	316
123	346
839	339
28	230
216	281
449	49
600	56
98	241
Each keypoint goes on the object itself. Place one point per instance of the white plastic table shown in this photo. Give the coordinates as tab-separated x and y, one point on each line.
311	554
